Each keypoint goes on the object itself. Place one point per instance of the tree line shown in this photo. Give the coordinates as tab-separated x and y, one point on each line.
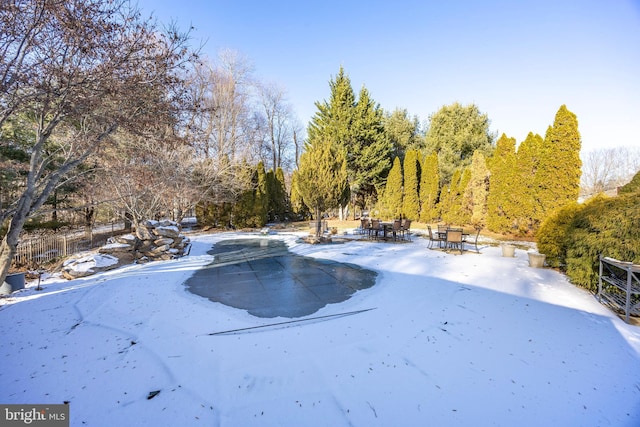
456	173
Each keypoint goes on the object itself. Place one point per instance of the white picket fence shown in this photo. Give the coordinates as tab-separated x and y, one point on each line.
38	250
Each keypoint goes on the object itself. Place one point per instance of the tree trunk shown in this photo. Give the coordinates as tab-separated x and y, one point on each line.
54	202
128	218
9	244
318	223
89	212
7	252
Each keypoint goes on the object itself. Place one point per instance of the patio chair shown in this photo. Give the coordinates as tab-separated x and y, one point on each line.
374	230
475	239
434	237
442	231
406	229
396	229
454	239
364	226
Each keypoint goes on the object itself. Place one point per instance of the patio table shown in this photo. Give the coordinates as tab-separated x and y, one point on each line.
386	227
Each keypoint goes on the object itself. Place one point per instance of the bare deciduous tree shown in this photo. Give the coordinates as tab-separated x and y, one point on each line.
78	71
280	125
221	127
608	168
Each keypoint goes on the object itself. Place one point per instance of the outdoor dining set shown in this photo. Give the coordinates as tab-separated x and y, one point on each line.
450	238
399	229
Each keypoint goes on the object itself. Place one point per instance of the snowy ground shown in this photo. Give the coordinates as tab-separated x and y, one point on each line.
471	340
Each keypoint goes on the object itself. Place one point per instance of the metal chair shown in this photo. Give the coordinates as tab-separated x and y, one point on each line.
434	237
406	229
475	241
364	226
396	229
454	239
375	228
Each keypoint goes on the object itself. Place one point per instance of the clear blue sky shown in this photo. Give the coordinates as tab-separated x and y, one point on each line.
517	60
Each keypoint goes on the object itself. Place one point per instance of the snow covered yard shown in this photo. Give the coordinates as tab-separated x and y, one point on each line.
451	340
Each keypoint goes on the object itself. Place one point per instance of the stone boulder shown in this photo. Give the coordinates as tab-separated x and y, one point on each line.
144	233
164	241
115	248
89	264
167	231
129	239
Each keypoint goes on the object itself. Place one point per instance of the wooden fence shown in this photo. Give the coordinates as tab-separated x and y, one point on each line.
35	251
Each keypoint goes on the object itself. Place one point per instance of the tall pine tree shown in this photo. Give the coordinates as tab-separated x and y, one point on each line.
332	123
261	207
429	189
368	150
391	203
322	177
284	202
334	118
298	209
558	174
478	190
402	132
500	201
455	132
452	202
529	215
277	196
358	128
411	197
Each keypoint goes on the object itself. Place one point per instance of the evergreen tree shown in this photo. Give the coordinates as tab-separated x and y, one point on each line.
277	203
429	188
402	132
451	202
558	174
262	196
391	205
250	208
632	186
411	197
358	128
330	127
334	118
528	216
299	210
243	212
368	151
444	201
322	177
284	205
455	132
477	190
463	207
500	201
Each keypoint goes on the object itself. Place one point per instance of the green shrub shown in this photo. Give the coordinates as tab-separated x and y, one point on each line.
553	235
36	224
633	186
607	226
574	236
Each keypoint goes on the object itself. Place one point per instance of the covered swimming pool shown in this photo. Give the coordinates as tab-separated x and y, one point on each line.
263	277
